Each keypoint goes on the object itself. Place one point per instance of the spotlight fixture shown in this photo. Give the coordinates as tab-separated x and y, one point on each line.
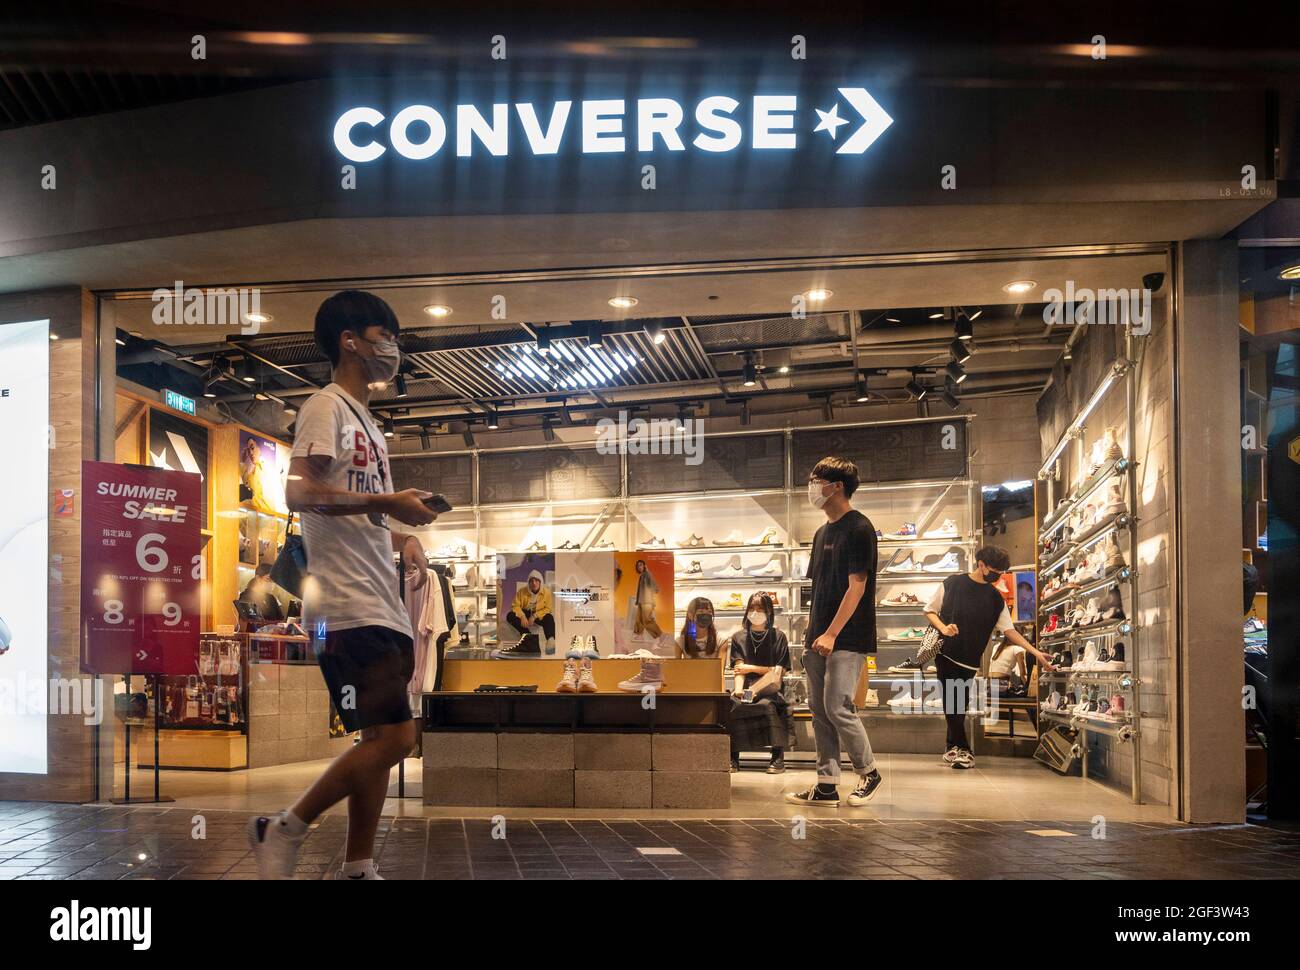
960	350
965	329
544	340
425	441
388	427
258	317
438	310
744	412
595	335
956	371
400	381
1291	272
468	436
972	317
950	399
209	392
655	331
916	389
493	421
818	295
892	320
750	371
548	431
119	341
1017	287
937	315
828	410
623	302
864	395
245	371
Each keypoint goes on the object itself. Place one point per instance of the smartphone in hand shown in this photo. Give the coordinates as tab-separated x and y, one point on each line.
437	503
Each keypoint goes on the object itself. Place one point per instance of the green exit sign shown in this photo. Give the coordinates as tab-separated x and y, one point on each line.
179	402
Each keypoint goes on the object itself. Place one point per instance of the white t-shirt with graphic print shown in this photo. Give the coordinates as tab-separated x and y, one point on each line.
352	578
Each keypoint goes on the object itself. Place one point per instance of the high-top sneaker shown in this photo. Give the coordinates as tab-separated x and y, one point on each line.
1090	656
529	647
1114	502
906	531
767	538
569	682
589	649
575	648
1117	707
1053	624
1114	558
1112	605
947	564
947	530
650	678
586	678
1110	442
694	569
906	565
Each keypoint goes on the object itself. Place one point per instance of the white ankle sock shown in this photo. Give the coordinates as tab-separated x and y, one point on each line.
293	826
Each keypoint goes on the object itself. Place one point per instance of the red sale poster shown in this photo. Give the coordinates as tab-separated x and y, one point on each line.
141	563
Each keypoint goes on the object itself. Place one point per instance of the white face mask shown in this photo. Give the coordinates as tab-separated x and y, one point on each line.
758	618
382	366
815	496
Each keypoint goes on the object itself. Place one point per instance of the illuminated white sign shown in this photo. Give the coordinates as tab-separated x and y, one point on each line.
24	547
718	124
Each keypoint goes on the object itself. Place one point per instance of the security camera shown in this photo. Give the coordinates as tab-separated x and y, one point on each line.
1153	281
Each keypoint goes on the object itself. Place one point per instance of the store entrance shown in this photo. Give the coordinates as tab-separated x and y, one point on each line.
596	428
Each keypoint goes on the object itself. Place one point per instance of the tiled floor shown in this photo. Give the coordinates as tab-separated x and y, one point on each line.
40	841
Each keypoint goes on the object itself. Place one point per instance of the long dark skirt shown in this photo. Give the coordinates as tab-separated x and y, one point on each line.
763	724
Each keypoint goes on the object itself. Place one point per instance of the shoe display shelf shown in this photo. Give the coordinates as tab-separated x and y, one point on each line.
1074	451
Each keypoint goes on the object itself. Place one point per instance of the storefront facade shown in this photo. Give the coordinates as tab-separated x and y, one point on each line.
946	197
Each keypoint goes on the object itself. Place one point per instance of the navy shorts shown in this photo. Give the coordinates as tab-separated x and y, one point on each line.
367	670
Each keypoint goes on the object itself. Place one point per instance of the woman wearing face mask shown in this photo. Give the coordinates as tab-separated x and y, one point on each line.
966	609
760	655
699	637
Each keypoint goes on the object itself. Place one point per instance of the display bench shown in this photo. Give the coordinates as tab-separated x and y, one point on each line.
608	749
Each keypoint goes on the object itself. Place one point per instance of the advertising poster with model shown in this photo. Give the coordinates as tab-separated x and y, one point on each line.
584	600
263	469
643	603
526	614
24	545
141	566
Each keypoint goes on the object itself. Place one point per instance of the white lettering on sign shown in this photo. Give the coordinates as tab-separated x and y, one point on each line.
420	131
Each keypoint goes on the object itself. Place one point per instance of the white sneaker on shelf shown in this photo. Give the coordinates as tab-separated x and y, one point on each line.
569	682
733	538
586	678
575	648
654	542
771	568
946	531
948	564
730	571
589	649
694	569
650	678
907	565
768	537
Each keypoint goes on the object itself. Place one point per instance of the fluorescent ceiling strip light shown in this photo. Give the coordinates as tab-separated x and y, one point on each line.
1077	424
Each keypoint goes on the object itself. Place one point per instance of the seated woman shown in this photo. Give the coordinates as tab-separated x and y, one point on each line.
760	655
699	637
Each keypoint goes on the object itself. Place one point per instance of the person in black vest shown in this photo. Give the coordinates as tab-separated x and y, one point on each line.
966	609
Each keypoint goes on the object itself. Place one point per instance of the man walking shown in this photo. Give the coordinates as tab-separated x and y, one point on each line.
339	480
841	632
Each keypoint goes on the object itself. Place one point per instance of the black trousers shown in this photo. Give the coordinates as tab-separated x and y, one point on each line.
958	686
546	622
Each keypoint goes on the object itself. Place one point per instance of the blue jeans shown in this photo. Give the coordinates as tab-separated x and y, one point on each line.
836	726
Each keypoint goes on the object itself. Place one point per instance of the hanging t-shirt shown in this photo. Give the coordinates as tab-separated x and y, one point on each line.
352	581
840	549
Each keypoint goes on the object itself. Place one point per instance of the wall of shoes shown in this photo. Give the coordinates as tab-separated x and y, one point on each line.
737	522
1087	580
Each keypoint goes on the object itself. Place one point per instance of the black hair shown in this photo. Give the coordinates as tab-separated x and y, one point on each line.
351	310
765	602
691	645
995	557
832	469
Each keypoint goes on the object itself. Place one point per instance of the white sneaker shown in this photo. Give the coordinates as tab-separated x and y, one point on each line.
798	568
368	874
654	542
872	698
274	850
729	571
948	564
907	565
771	568
946	531
650	678
950	755
733	538
589	649
694	569
569	682
768	537
964	759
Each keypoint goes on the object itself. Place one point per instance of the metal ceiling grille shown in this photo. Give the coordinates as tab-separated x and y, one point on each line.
738	335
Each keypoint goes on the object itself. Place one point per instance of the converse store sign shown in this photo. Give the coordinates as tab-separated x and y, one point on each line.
850	118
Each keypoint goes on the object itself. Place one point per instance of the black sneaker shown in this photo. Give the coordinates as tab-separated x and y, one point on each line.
529	647
867	785
814	796
777	765
909	666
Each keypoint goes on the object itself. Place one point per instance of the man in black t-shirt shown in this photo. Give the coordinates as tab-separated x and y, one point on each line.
841	632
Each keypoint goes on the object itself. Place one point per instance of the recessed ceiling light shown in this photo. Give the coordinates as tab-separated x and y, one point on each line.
818	295
258	317
1290	273
209	394
1020	286
623	302
438	310
974	316
783	369
892	320
937	316
54	336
